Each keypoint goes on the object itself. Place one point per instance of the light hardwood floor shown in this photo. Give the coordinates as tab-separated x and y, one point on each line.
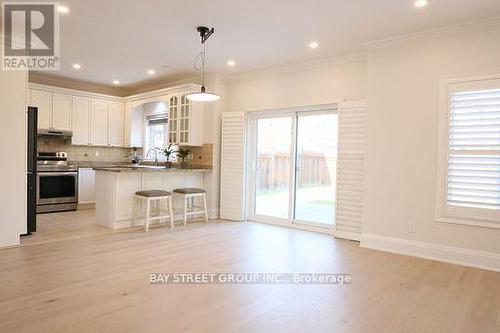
75	276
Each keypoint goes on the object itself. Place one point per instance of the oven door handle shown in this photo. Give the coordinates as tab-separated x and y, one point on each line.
73	173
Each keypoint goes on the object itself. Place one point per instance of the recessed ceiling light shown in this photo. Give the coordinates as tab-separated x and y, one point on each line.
313	45
63	9
420	3
231	63
151	71
77	66
116	82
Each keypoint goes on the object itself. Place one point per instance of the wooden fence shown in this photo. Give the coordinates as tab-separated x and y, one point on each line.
315	169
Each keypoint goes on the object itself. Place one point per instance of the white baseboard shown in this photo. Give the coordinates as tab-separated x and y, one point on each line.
85	206
213	213
449	254
122	224
344	234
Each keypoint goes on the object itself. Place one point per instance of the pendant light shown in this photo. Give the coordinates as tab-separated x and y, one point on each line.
203	95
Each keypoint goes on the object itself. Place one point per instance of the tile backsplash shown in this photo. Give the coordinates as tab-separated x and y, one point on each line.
83	153
199	155
202	155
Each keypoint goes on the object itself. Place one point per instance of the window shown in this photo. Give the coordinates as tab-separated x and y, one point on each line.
156	133
469	179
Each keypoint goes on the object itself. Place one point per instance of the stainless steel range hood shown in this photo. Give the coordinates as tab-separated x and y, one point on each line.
54	132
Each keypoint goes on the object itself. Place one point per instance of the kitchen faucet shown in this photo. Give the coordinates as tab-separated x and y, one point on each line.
156	155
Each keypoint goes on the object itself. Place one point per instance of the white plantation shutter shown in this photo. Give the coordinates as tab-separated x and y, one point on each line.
350	199
473	172
232	191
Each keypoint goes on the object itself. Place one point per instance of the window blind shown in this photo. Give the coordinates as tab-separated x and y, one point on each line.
157	119
474	149
350	201
232	170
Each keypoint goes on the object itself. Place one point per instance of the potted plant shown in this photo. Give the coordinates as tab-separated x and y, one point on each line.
167	152
183	153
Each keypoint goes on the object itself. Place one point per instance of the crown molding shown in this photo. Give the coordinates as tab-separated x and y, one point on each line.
161	83
73	92
340	59
73	84
434	33
154	94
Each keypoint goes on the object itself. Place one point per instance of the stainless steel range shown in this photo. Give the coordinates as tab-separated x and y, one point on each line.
57	183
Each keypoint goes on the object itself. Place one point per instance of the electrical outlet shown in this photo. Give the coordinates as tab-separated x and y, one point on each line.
412	227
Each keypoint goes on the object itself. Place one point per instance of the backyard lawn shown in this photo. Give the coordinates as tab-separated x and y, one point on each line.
313	204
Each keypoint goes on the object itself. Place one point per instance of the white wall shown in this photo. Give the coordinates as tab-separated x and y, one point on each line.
308	84
403	90
154	108
321	82
401	85
13	87
211	133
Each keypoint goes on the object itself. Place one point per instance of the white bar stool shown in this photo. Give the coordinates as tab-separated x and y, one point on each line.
156	195
188	194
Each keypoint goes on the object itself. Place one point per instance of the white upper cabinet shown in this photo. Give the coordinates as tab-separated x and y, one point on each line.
133	125
81	120
115	123
61	111
54	109
43	101
185	121
99	122
127	123
184	116
173	120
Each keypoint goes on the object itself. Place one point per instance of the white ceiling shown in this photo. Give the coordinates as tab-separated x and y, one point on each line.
118	39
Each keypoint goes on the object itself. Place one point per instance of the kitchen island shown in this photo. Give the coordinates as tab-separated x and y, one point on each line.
115	188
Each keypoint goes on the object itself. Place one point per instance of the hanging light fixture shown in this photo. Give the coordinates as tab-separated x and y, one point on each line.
203	95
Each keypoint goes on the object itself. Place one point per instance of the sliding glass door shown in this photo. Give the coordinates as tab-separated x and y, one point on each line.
273	156
316	162
292	163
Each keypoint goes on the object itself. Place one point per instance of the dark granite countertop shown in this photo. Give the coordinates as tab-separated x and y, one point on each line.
123	167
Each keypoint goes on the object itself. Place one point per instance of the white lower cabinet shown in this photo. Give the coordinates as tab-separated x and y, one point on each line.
86	186
115	200
195	179
127	183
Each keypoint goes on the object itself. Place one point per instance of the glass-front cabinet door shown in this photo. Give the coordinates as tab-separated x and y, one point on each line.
173	114
184	121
